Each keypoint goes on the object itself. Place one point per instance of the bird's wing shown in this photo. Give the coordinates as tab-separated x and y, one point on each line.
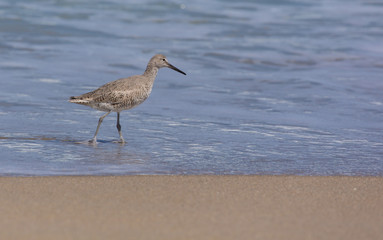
104	92
125	90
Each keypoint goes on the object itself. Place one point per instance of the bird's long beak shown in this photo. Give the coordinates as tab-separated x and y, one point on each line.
175	69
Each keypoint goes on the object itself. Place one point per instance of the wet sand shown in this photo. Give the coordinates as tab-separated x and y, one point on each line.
191	207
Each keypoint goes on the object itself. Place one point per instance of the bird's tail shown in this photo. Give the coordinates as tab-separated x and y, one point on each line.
78	100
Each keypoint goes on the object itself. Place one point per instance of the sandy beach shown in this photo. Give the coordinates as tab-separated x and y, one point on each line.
191	207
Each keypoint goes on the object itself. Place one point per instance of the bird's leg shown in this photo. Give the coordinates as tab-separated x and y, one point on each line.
94	140
119	128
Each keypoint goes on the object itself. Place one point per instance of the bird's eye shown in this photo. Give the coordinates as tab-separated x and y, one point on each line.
163	59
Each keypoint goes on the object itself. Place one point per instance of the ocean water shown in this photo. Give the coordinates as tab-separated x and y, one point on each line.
272	87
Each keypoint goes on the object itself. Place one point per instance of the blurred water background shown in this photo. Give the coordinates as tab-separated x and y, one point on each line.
273	87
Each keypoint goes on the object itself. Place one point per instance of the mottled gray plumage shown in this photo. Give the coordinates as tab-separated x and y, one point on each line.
124	93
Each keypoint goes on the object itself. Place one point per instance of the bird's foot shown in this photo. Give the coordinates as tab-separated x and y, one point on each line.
121	141
93	141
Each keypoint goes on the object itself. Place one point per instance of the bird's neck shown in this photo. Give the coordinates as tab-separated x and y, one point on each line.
151	72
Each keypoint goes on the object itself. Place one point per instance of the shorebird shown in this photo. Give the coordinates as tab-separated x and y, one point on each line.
124	93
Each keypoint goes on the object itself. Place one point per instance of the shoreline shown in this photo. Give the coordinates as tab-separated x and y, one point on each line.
191	207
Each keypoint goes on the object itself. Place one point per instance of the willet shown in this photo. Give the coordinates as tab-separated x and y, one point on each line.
124	93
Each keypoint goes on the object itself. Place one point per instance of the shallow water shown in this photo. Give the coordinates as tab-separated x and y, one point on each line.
273	87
